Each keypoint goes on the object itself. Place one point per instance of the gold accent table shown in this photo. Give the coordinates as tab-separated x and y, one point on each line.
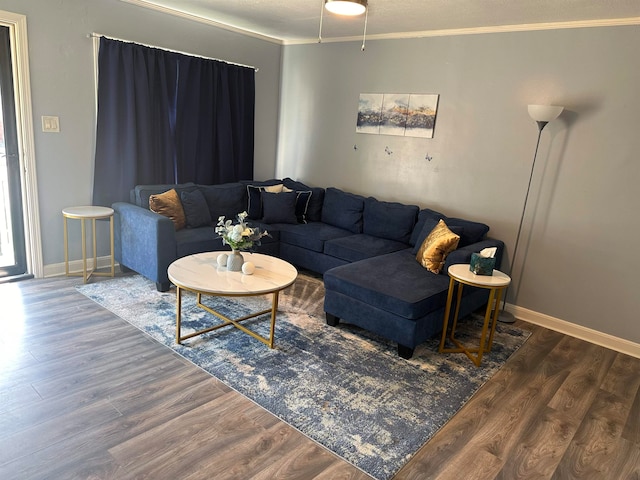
496	283
87	213
201	274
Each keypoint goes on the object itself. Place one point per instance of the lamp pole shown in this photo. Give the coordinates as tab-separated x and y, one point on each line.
542	114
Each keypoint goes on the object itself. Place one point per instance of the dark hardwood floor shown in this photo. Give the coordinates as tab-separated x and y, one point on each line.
84	395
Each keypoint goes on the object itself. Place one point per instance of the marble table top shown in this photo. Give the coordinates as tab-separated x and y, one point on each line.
201	273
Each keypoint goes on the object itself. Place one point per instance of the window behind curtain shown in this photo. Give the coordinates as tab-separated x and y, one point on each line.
166	117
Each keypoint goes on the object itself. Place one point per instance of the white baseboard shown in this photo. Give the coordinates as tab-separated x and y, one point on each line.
75	266
578	331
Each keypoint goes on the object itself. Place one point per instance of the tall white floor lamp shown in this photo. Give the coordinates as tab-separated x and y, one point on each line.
542	114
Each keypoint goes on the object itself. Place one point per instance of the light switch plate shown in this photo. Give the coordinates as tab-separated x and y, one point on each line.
50	124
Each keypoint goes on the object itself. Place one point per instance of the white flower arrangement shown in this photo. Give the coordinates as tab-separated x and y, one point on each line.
239	236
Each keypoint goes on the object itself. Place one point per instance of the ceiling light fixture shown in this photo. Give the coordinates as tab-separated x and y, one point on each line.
350	8
346	7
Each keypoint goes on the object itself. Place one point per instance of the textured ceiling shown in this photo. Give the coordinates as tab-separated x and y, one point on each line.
298	20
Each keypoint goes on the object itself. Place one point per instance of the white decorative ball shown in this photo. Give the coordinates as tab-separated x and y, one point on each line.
222	260
248	268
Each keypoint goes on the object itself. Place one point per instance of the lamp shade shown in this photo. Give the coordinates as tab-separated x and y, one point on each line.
544	113
346	7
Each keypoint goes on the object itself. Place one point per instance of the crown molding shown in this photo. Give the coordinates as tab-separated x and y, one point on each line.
206	21
528	27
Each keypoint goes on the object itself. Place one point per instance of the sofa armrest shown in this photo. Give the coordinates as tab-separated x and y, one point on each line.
463	255
144	241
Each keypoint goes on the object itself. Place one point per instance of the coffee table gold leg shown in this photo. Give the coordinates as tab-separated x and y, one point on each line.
274	311
178	312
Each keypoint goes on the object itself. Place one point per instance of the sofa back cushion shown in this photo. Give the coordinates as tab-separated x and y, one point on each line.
390	220
343	209
227	199
141	193
470	232
429	216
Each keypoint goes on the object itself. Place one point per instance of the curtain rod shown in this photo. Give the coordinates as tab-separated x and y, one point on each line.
99	35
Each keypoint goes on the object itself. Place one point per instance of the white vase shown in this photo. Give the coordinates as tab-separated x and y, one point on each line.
235	261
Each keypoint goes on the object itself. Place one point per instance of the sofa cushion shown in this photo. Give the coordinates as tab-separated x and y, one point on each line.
262	183
279	207
435	248
391	220
169	205
472	232
311	236
361	246
141	193
314	209
343	210
196	210
428	292
420	232
225	200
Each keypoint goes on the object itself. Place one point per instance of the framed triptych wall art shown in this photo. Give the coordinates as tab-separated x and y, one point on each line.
399	114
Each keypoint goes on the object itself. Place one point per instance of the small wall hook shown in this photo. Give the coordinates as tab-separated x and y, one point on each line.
428	158
387	151
355	147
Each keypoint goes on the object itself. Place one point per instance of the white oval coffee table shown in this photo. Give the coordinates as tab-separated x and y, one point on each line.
201	274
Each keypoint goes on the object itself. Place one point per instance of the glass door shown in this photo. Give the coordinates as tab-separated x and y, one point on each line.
13	259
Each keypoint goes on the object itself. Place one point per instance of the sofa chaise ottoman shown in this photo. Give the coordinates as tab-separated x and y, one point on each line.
394	296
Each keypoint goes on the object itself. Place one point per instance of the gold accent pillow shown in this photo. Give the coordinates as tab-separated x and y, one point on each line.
435	248
169	205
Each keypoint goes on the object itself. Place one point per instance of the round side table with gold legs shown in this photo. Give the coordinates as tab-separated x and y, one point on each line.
461	275
87	213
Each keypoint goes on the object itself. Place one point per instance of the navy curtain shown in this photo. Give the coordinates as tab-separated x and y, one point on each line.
165	117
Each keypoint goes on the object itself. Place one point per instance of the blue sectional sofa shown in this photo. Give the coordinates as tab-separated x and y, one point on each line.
364	247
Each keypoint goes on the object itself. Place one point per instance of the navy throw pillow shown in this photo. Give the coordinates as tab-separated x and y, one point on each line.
314	209
195	208
254	205
279	207
302	204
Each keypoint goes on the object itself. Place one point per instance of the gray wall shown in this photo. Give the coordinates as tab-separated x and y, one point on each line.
62	84
581	265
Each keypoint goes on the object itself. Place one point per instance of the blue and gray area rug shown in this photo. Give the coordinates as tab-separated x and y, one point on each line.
342	387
